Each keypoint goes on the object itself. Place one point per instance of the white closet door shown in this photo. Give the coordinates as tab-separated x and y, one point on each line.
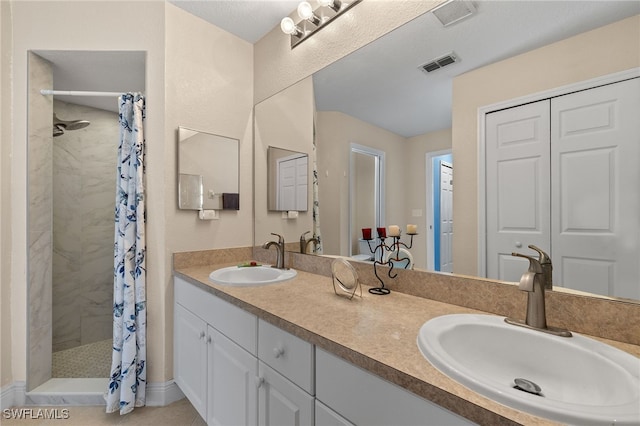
595	172
518	187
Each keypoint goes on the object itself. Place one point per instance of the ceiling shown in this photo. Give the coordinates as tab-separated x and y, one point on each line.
405	100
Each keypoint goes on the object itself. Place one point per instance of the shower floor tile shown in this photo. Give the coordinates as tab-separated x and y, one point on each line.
91	360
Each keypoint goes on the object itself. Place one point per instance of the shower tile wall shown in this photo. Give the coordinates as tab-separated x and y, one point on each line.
39	221
84	167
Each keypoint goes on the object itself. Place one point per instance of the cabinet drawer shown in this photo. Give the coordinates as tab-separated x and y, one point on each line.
289	355
235	323
366	399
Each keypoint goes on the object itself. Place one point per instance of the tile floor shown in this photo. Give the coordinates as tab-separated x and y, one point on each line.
180	413
90	360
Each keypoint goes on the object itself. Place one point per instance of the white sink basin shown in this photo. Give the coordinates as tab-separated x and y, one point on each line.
582	381
245	276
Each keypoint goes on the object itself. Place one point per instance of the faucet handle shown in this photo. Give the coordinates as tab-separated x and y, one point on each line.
544	257
534	264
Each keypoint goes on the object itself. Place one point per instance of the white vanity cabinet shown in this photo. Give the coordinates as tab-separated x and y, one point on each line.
215	363
352	394
286	377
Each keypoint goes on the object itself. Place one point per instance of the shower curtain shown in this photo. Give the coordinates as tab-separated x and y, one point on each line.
127	382
316	196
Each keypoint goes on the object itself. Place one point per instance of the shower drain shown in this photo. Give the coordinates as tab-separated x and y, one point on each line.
527	386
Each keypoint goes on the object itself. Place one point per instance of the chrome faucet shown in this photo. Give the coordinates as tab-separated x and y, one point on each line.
280	246
534	281
304	242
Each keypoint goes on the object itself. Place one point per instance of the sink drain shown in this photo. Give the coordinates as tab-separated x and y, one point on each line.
527	386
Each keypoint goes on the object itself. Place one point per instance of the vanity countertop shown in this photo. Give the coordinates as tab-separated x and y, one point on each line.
376	333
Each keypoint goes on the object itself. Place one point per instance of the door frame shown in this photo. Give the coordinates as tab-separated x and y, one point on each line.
379	196
483	111
430	225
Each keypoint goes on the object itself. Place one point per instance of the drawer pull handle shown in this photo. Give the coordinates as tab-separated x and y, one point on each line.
278	352
259	382
202	335
208	339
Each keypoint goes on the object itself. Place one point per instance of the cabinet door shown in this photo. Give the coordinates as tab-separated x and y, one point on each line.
190	357
232	397
281	403
325	416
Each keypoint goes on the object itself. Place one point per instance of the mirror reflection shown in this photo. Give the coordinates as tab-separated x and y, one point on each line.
287	176
402	115
208	171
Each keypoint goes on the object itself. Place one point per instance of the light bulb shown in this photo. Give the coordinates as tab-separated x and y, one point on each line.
305	11
288	26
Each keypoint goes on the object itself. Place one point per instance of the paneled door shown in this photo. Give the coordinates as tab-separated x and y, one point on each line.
518	187
595	168
563	174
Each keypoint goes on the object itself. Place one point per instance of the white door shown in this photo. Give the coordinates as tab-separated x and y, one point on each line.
281	403
232	398
190	357
286	185
446	217
292	185
518	187
595	157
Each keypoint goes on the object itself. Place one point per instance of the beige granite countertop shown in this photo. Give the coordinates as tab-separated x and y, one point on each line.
377	333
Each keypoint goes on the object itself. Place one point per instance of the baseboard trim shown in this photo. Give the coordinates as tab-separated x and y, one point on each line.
161	394
13	394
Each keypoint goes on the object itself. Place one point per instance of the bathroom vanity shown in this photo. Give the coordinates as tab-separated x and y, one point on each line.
295	353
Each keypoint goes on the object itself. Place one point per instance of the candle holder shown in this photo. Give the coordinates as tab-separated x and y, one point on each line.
394	248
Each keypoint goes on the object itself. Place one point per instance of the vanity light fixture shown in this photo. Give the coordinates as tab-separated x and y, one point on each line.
311	20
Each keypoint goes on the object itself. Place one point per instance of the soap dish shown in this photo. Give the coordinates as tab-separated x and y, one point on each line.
345	278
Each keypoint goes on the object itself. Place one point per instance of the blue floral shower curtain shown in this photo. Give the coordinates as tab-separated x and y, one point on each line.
127	382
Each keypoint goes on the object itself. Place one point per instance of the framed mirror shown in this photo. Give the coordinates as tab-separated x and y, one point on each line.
208	171
287	180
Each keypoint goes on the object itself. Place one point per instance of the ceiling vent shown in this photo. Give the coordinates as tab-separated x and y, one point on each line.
454	11
440	62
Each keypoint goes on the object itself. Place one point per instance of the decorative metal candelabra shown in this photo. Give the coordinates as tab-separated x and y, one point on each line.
394	256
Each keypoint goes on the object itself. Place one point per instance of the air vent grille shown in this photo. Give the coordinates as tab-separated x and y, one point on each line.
454	11
440	62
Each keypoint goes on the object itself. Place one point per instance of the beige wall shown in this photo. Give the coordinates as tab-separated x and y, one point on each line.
335	132
6	126
285	121
603	51
415	150
277	66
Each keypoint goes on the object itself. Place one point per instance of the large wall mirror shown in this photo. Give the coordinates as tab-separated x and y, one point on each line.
208	171
380	98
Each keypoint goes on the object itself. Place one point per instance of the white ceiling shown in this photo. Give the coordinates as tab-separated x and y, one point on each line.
379	83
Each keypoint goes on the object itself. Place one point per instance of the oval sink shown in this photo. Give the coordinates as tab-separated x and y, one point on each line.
576	380
250	275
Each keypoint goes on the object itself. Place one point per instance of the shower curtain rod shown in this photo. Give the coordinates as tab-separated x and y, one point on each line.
78	93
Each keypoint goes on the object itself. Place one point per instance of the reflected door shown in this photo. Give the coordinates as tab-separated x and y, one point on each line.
446	217
595	152
563	174
518	187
